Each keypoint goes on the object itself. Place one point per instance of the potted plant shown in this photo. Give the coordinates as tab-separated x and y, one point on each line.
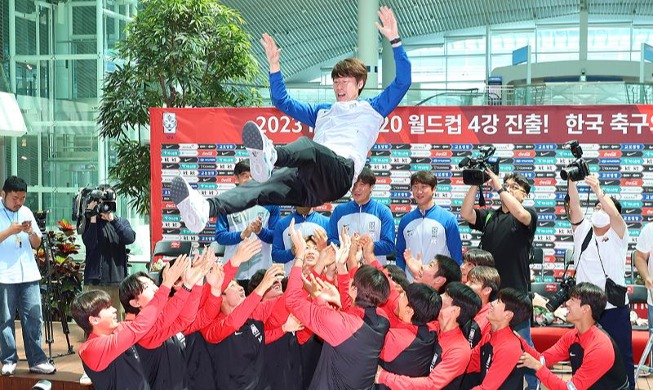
61	274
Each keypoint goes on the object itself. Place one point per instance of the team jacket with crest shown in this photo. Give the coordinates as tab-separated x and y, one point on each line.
595	362
496	357
479	326
446	363
353	338
350	128
111	361
434	232
373	218
229	227
306	224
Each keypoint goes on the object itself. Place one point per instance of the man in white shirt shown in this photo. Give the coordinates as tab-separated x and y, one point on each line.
600	246
19	280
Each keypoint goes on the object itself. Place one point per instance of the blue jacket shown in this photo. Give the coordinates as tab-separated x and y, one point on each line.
282	243
229	227
372	218
434	232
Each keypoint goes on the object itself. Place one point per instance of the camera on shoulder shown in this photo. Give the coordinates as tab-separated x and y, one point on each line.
104	197
578	169
474	173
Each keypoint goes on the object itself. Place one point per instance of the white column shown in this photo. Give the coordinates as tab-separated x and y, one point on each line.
368	39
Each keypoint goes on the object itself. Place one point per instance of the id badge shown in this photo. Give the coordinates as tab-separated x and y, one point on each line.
19	243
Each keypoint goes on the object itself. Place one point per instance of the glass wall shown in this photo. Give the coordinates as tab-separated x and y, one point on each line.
54	56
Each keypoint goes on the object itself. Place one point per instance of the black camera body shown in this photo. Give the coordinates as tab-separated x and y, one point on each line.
105	199
562	295
578	169
474	173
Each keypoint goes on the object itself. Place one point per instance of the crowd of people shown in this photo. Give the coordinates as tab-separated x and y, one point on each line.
314	302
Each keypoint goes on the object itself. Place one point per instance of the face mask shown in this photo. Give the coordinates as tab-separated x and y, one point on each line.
600	219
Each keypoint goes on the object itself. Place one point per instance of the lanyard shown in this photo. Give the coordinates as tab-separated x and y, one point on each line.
7	214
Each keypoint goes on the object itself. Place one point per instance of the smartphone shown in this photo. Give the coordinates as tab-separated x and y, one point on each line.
27	223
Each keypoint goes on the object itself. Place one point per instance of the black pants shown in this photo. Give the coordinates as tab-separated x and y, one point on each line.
310	175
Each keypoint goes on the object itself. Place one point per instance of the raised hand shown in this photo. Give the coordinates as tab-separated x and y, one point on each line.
320	238
311	286
273	274
272	52
200	267
172	273
215	277
414	265
256	225
388	26
292	324
368	248
494	180
329	292
245	251
297	240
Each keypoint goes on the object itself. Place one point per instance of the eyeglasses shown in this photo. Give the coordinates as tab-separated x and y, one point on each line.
515	187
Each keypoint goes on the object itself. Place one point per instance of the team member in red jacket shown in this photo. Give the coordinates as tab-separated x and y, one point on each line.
108	355
451	352
353	337
595	360
411	343
496	356
485	282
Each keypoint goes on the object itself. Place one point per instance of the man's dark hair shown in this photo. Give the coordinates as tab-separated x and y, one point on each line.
425	301
520	180
617	204
255	280
478	256
350	67
487	276
592	295
241	166
423	177
130	288
448	269
518	303
14	184
88	304
397	275
367	176
466	299
373	287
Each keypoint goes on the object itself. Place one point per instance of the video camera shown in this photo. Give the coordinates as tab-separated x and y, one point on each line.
562	295
474	172
105	198
578	169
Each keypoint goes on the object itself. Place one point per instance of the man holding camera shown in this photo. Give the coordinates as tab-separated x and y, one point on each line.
508	234
105	238
600	246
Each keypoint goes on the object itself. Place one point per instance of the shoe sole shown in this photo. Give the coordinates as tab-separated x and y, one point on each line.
253	141
178	190
43	372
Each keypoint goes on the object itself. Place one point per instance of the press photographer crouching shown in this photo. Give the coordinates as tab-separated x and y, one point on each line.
600	246
105	237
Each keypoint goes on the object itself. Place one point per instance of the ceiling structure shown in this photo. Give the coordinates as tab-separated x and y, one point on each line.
314	32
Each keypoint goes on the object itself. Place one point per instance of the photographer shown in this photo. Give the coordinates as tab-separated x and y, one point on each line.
508	234
105	237
600	246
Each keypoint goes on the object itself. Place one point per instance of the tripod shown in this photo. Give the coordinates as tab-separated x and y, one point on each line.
48	297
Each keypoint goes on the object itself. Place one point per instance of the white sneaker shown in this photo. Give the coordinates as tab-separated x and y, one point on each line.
262	154
43	368
8	368
193	207
85	380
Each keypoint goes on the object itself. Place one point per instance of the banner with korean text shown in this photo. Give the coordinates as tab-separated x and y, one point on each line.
204	144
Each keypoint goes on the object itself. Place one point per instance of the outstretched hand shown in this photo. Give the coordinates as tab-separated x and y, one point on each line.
272	52
388	26
245	251
414	265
